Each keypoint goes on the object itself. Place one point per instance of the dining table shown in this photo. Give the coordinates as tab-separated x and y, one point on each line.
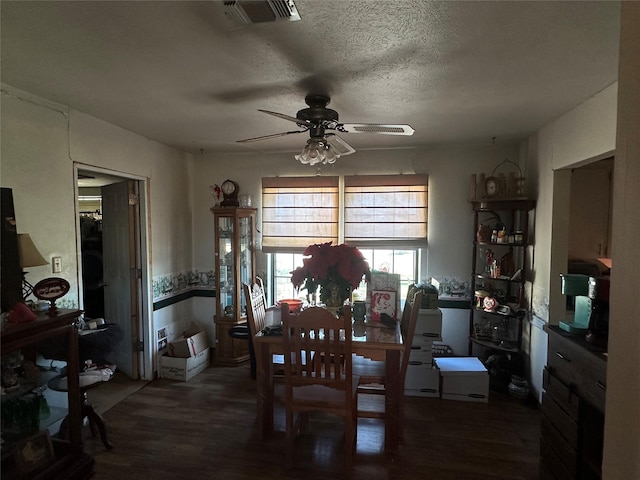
373	340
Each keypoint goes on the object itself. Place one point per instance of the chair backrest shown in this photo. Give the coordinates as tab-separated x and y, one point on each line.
406	311
407	336
256	306
316	333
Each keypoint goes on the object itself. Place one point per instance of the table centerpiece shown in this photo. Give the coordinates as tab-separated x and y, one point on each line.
336	269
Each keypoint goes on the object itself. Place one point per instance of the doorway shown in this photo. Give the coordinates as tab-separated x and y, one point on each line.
112	250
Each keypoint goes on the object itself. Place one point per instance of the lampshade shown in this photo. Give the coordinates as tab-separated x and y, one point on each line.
29	254
317	151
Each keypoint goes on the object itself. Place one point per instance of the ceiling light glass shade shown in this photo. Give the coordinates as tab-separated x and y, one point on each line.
317	151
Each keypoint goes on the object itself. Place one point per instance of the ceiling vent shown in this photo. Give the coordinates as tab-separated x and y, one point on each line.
259	11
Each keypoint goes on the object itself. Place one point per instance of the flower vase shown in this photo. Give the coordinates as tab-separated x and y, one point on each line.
334	296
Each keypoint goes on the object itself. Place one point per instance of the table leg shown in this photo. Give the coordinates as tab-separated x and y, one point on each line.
393	398
264	383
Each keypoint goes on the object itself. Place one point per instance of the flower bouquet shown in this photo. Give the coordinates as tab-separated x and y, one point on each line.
335	269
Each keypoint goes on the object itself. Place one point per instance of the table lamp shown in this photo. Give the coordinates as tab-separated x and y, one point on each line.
29	257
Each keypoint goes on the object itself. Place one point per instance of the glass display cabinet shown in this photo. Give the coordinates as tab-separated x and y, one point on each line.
32	445
235	264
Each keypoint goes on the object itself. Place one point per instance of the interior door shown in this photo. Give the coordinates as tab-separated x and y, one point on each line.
120	268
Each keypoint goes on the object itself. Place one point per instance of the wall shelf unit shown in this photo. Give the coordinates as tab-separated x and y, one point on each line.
500	267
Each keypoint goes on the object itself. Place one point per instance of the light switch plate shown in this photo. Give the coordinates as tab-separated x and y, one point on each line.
56	264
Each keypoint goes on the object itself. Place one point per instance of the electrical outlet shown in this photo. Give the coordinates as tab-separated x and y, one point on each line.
56	264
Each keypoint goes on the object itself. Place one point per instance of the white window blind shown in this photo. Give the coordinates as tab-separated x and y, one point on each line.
299	211
386	210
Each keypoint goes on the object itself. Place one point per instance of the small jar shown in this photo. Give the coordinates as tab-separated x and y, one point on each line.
518	237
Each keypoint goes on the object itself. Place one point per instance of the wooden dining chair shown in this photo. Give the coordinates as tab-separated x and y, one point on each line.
256	320
371	373
325	384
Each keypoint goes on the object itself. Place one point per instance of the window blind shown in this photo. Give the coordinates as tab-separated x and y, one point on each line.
386	210
299	211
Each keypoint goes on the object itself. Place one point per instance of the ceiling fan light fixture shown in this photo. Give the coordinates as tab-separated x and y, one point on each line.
317	151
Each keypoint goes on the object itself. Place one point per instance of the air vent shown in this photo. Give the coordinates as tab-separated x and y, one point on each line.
259	11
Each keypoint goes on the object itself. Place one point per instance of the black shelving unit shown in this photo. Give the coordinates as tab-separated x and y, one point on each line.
500	268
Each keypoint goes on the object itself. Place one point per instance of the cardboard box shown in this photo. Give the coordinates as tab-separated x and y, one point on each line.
422	381
178	368
428	325
463	378
189	345
421	354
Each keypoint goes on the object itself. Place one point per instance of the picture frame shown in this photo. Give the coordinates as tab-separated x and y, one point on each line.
34	454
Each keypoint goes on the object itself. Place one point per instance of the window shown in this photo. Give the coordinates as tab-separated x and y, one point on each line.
299	211
403	262
385	216
385	210
377	211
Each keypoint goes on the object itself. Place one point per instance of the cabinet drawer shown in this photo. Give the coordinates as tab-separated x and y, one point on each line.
561	393
578	368
566	425
556	451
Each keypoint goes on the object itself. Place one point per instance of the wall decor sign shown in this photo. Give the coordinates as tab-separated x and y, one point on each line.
51	289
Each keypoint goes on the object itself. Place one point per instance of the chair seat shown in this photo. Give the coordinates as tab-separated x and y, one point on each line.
367	368
321	395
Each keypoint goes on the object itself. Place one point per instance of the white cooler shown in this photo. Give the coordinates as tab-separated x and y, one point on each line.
463	378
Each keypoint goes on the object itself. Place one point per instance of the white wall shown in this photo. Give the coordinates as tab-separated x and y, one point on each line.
583	134
622	424
449	167
40	143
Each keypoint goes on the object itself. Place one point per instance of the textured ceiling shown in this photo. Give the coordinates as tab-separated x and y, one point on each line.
184	74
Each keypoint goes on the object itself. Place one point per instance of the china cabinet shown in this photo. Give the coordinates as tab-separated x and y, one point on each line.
26	419
499	272
235	264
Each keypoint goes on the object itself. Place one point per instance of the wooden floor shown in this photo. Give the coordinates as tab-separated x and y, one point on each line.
205	428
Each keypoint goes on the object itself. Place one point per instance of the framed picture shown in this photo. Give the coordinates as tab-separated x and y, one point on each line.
383	301
34	454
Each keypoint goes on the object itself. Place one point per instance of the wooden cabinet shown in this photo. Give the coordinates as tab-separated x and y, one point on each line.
574	383
22	341
234	231
499	272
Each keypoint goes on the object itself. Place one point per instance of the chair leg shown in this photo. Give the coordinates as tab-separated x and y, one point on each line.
290	434
252	358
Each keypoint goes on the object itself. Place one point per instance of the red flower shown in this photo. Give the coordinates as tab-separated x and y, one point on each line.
324	263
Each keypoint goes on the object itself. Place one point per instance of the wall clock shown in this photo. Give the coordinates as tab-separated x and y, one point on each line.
229	193
492	187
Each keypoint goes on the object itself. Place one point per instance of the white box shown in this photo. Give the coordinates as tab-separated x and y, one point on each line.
421	353
463	378
179	368
429	325
422	381
189	345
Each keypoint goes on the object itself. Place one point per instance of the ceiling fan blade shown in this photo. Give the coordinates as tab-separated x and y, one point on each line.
265	137
385	129
300	122
339	146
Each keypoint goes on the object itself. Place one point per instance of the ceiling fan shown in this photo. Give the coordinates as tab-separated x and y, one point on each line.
324	145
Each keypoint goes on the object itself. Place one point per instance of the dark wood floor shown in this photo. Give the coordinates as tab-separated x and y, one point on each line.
205	428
